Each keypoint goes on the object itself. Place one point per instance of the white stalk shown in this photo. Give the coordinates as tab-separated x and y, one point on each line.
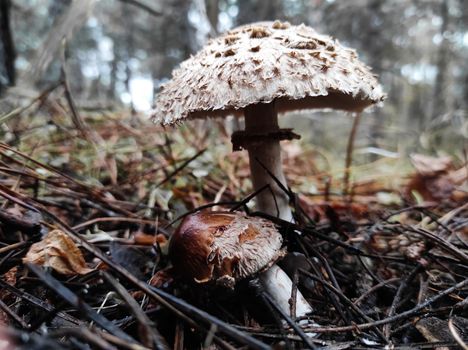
263	119
275	279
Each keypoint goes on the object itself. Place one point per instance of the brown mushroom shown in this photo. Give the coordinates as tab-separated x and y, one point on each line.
225	247
260	70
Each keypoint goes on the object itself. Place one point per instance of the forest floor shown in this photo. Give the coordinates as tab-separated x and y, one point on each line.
89	203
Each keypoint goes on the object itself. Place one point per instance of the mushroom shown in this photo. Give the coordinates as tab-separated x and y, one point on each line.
223	247
226	247
260	70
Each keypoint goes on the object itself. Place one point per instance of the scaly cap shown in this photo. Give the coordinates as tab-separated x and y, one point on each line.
223	247
262	62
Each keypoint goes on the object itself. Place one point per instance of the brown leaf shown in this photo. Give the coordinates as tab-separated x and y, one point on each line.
59	252
431	188
146	239
317	209
459	176
437	330
431	166
10	276
162	277
433	179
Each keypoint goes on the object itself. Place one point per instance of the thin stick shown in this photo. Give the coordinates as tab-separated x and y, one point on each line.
26	226
38	303
399	294
180	167
85	334
17	111
76	117
111	219
375	288
349	153
345	299
144	7
154	293
79	304
456	335
222	326
154	338
179	336
395	318
300	332
13	246
6	309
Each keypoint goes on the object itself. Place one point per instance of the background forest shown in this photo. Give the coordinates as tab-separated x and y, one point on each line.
119	52
91	190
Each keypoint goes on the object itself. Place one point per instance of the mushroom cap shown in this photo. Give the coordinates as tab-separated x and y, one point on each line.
262	62
223	247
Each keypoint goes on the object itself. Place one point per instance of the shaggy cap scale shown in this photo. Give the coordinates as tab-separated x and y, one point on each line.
223	247
262	62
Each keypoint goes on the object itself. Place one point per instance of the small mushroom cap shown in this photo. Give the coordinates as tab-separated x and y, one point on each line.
262	62
223	247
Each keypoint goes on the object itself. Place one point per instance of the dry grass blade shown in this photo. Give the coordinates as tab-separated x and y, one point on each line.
456	335
349	153
58	251
75	301
151	335
356	261
160	296
394	318
18	111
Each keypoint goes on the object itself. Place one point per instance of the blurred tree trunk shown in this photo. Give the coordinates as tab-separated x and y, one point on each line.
130	48
7	49
247	9
212	10
464	80
256	10
69	21
57	7
186	30
174	39
271	10
374	34
113	77
440	99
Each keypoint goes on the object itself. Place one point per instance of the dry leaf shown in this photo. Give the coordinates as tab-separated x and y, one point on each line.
146	239
437	330
59	252
320	210
10	278
431	166
433	188
432	180
161	278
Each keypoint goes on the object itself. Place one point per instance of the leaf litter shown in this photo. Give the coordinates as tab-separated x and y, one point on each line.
84	231
57	251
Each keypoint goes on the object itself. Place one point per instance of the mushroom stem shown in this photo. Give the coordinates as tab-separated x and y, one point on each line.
263	118
279	286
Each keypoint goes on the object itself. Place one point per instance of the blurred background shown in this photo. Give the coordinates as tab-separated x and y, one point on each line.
119	52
